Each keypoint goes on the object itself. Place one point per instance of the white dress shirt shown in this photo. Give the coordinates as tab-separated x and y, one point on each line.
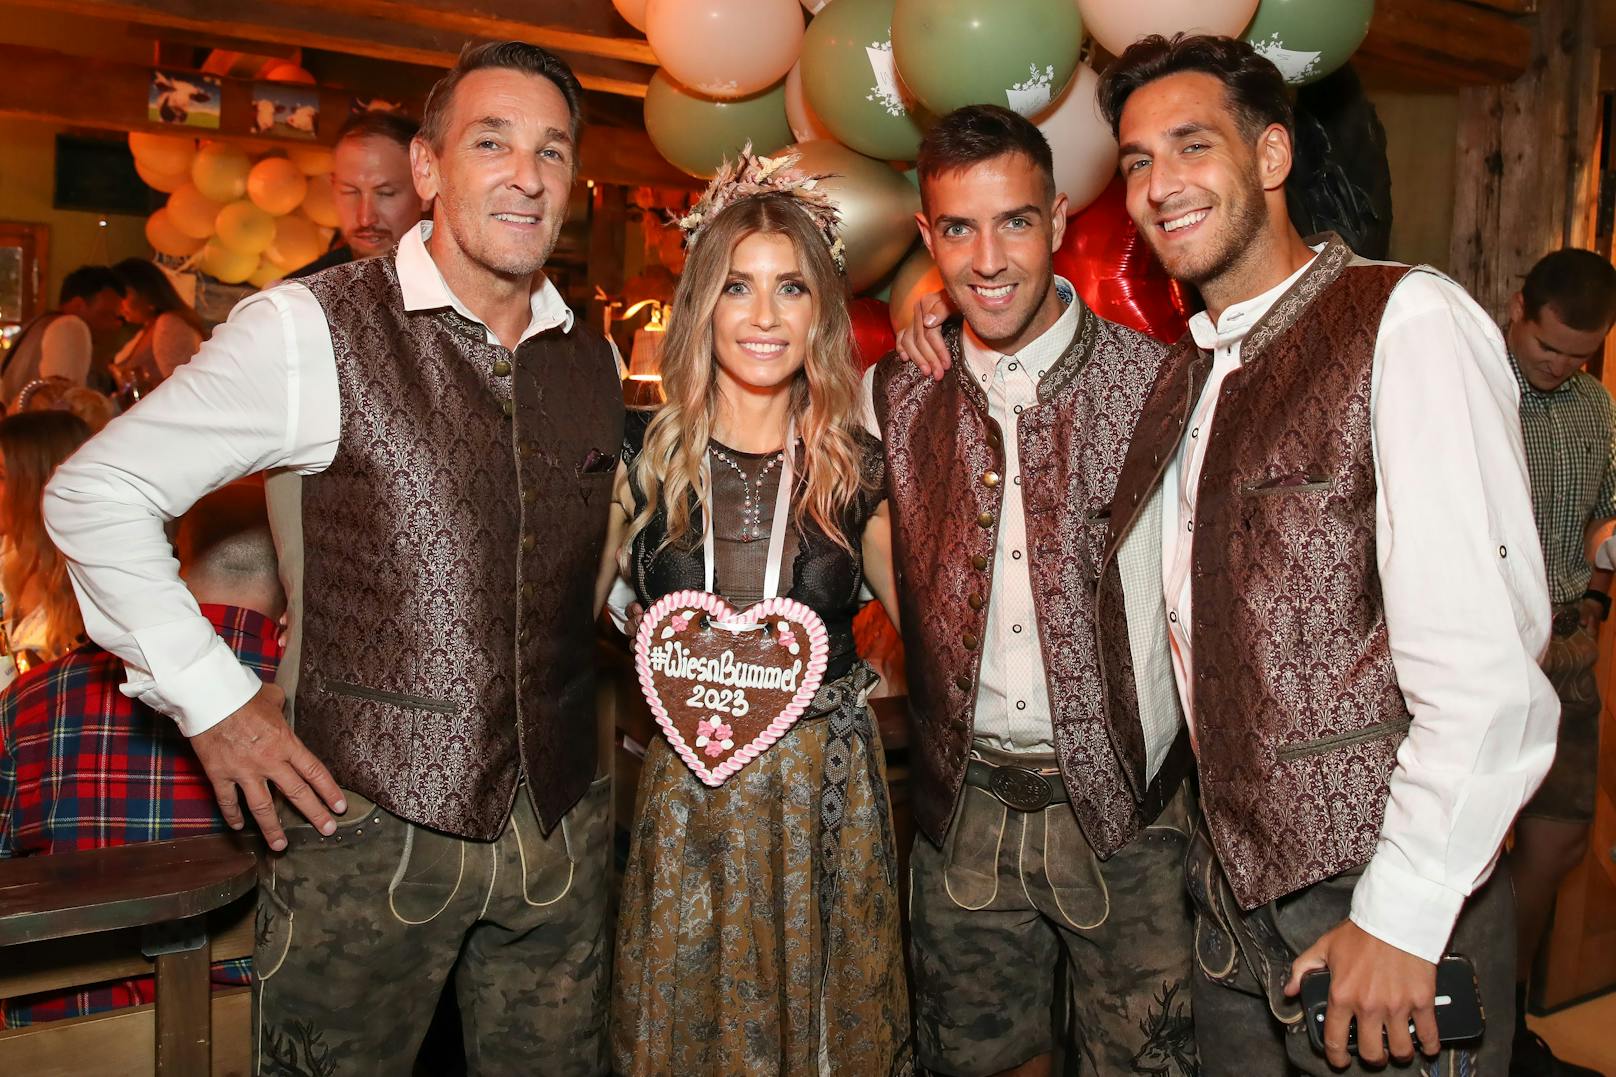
1013	712
65	349
1462	580
261	394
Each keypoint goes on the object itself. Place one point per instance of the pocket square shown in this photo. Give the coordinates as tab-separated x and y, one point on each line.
596	462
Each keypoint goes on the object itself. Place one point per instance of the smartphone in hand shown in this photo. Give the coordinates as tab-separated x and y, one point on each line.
1459	1015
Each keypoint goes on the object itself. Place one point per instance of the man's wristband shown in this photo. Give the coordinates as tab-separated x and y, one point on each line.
1600	597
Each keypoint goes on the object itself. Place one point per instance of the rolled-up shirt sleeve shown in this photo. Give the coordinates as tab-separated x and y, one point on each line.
1467	611
260	394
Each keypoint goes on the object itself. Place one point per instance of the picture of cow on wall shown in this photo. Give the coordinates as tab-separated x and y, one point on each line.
286	110
184	98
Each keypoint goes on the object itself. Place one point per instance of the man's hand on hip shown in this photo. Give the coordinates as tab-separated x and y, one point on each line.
1381	985
252	748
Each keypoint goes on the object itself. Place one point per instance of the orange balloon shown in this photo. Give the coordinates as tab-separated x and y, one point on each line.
286	71
266	274
223	264
163	154
166	238
162	181
244	227
916	277
319	204
193	212
296	242
310	160
220	171
276	185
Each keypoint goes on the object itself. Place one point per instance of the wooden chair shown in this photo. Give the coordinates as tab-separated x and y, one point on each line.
75	919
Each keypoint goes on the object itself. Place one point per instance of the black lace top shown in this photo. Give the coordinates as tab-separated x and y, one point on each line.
815	570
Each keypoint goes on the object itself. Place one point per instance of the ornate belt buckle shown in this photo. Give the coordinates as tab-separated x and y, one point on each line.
1020	788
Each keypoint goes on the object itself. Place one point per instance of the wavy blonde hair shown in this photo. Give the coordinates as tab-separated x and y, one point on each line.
824	393
32	444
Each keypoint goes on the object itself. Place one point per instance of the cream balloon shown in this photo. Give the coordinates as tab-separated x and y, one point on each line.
876	204
1080	140
162	181
276	185
725	48
266	274
310	160
1116	24
917	276
805	126
166	238
319	204
220	171
296	242
193	212
225	264
163	154
633	12
244	227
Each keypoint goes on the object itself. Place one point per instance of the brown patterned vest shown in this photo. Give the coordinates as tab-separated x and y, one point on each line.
1298	714
450	553
945	469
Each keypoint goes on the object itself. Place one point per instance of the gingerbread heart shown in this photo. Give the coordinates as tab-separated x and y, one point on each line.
725	685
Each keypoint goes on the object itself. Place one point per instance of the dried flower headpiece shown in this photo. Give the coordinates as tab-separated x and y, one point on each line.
750	174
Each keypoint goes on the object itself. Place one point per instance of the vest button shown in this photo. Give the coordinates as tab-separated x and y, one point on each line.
529	495
985	520
963	683
529	542
529	590
975	602
502	367
509	408
990	479
969	641
979	562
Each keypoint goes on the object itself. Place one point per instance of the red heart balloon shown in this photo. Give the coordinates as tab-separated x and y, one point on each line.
872	331
1112	268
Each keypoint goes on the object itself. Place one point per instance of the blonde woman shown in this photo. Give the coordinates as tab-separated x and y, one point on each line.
759	929
41	614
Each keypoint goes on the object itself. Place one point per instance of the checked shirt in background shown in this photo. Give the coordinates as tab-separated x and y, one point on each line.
83	766
1571	461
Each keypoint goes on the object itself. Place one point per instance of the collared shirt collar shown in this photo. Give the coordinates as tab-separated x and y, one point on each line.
1532	392
1039	354
424	288
1237	320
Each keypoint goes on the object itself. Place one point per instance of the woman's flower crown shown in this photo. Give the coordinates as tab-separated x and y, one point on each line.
750	174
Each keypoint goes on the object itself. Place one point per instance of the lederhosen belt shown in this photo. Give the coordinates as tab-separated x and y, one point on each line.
1026	789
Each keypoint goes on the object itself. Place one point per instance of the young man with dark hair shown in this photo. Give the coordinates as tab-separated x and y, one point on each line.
1053	820
1354	588
372	187
59	343
1557	322
441	434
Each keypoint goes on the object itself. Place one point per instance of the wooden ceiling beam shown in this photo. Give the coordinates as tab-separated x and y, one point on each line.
1447	43
42	84
582	27
333	31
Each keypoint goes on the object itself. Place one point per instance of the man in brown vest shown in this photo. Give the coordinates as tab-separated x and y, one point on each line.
1038	840
442	436
1354	589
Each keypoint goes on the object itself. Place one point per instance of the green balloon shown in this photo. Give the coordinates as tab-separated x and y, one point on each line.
697	133
852	84
1308	39
1017	54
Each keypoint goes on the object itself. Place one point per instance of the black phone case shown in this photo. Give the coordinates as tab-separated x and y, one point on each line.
1459	1016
